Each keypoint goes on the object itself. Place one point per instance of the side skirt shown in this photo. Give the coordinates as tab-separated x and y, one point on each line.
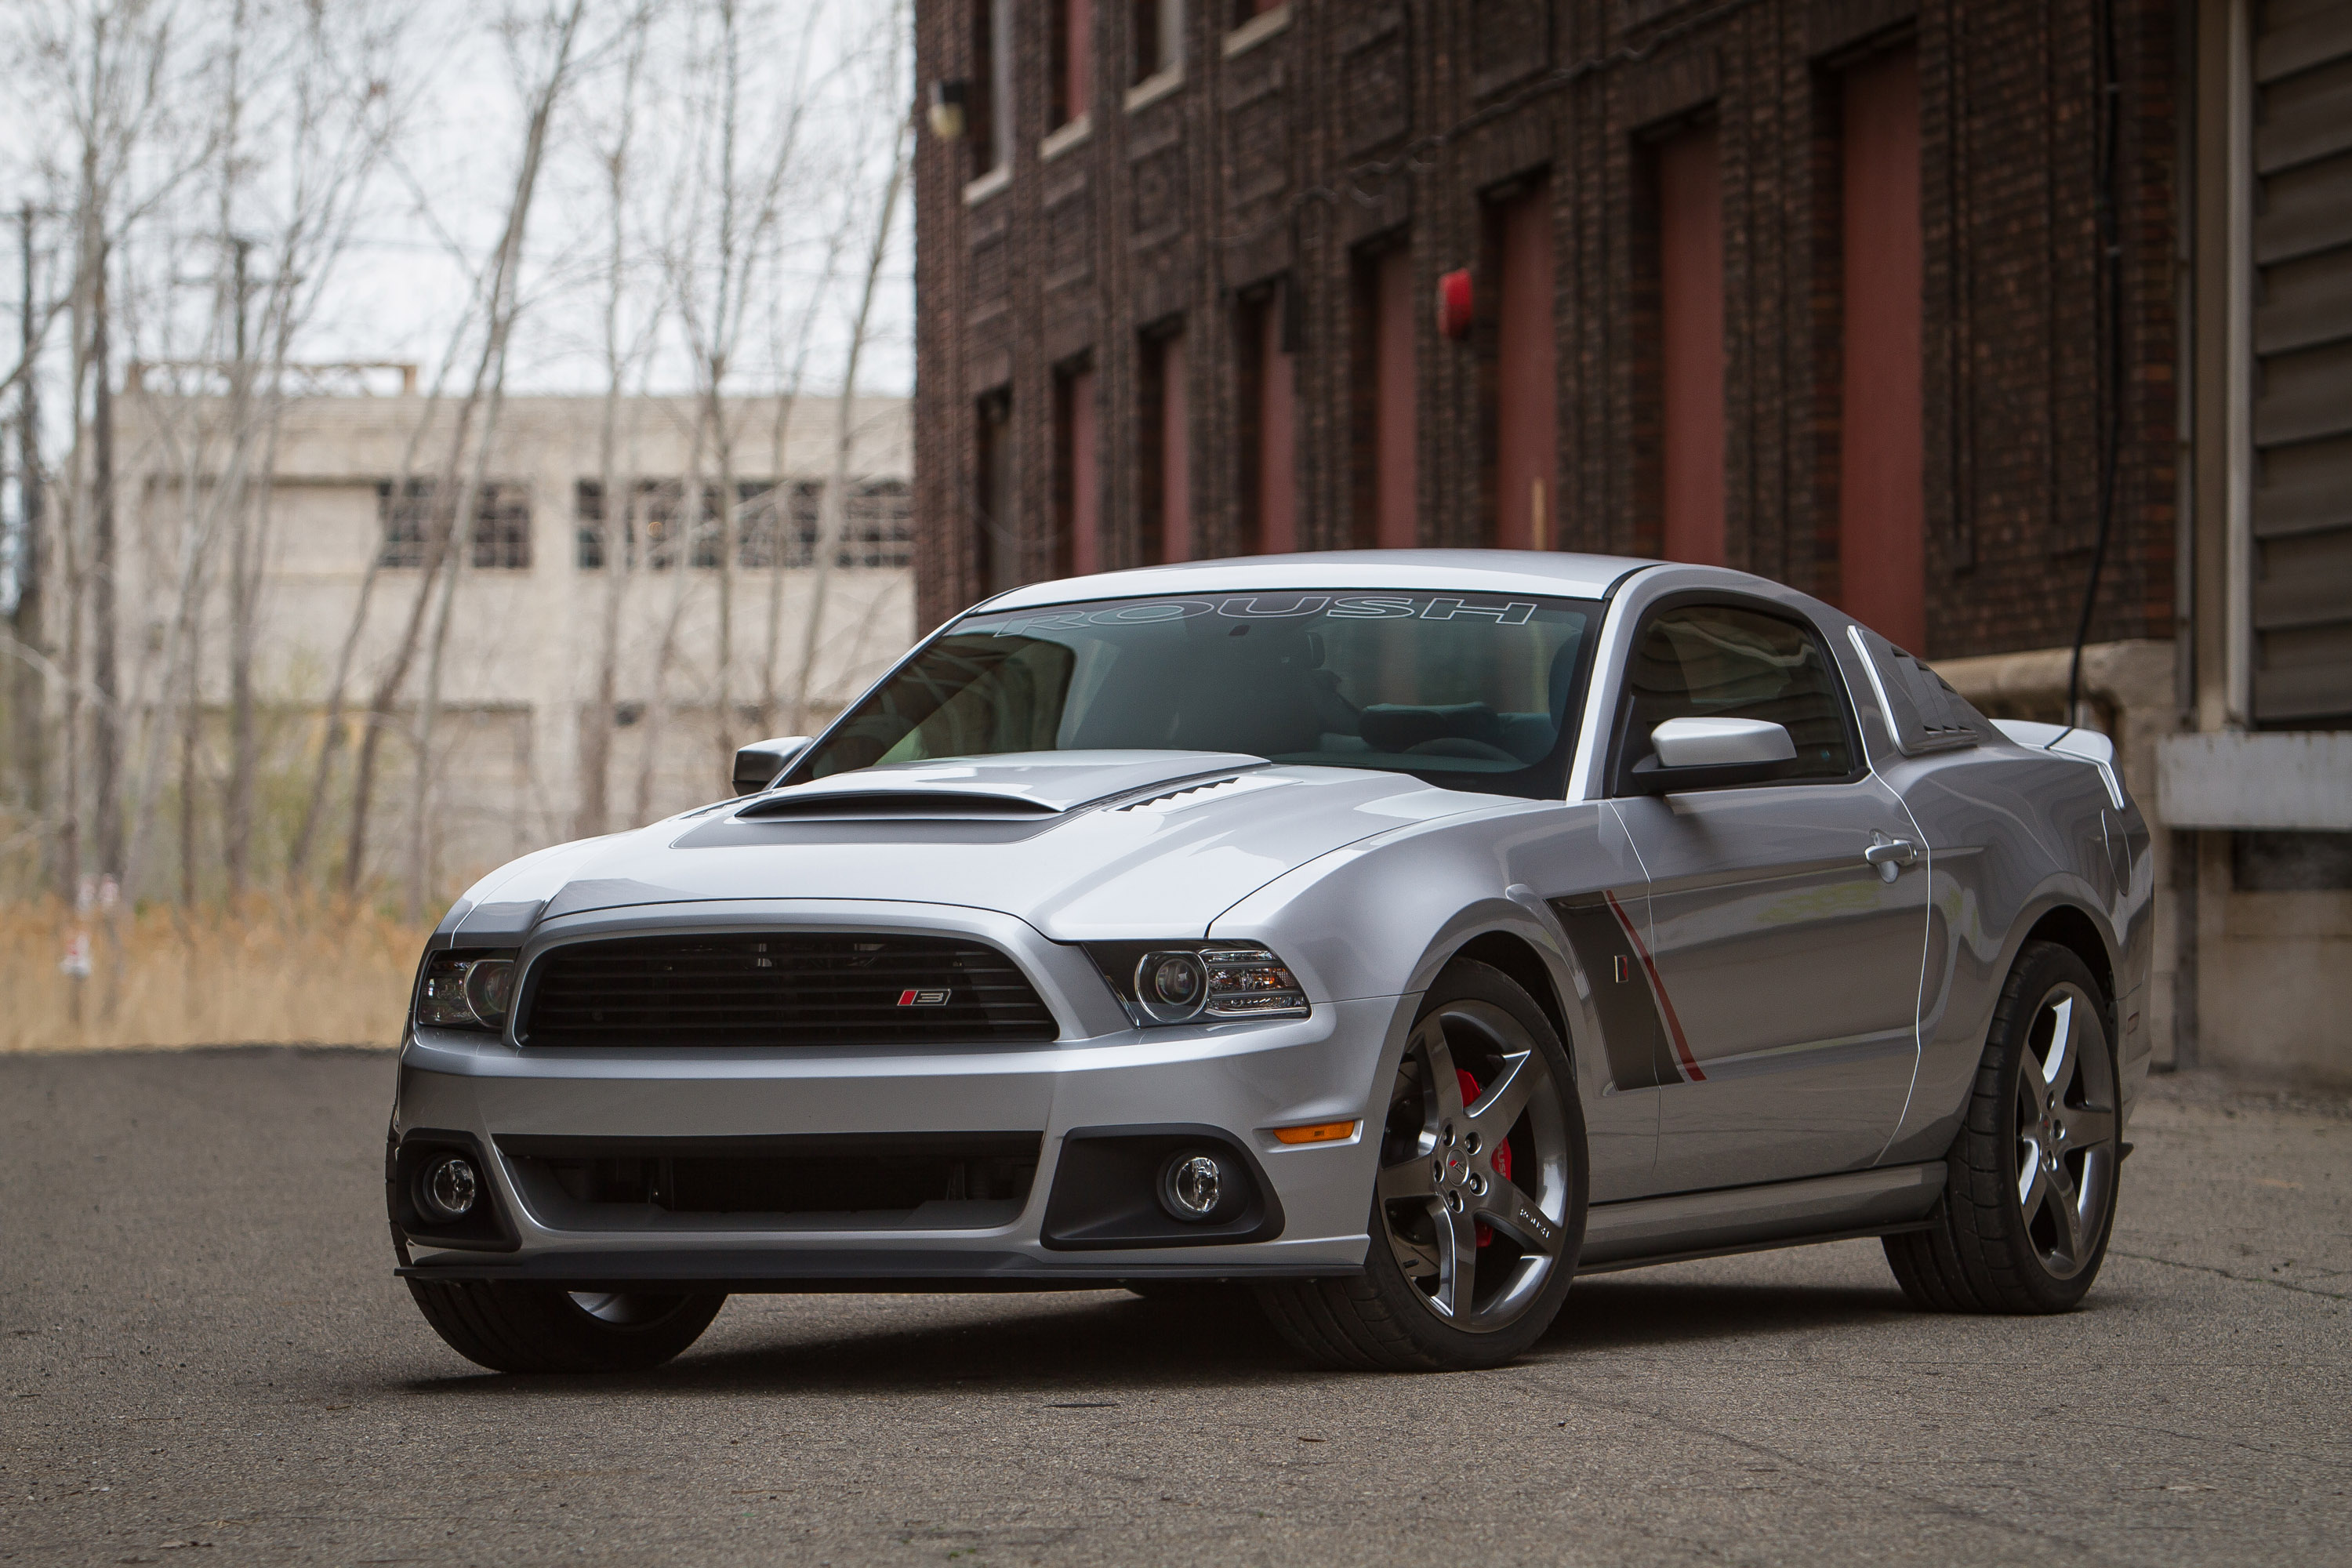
1682	1226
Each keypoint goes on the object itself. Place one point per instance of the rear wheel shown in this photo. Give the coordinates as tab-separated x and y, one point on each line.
538	1328
2030	1181
1478	1210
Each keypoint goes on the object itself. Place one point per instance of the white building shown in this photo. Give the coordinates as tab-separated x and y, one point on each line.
343	545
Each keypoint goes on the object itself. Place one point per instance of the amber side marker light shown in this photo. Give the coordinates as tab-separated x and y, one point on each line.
1321	1133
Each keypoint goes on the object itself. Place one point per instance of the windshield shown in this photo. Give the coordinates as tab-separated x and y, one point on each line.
1470	691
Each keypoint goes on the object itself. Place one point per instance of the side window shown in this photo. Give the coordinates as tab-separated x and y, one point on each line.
1716	661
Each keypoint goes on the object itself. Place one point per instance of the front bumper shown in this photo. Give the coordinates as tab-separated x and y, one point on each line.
1242	1081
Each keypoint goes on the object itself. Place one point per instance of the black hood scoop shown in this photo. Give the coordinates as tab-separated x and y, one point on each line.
898	806
997	799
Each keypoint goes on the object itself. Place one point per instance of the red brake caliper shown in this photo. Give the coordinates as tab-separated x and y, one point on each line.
1502	1159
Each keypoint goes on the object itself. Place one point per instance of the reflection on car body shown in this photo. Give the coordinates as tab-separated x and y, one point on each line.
1395	934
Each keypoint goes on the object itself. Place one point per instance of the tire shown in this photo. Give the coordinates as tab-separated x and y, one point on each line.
538	1328
1478	1212
2030	1180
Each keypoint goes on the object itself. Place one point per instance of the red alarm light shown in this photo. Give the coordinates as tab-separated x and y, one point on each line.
1454	301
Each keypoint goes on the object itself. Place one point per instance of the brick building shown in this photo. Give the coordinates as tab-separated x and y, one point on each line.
1810	288
1900	301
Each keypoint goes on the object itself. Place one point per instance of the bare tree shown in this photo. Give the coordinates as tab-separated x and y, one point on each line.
206	167
314	801
108	77
330	115
782	526
616	492
744	213
28	729
833	519
446	519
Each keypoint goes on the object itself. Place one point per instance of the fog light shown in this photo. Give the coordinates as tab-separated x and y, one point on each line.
448	1189
1193	1185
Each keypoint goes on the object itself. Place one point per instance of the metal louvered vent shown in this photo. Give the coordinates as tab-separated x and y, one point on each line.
780	988
1922	709
1162	799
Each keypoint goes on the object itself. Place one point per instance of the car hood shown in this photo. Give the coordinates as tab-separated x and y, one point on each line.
1083	845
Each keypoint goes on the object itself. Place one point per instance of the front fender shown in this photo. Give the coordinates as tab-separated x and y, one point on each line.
1382	918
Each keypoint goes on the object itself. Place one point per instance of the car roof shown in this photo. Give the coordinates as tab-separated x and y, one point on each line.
1468	571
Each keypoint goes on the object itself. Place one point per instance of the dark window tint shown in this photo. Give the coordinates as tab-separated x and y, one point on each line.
1463	691
1713	661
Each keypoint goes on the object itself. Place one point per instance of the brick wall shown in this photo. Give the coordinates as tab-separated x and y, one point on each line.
1328	126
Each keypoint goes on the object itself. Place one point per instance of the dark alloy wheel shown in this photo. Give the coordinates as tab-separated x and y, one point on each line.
2031	1186
1478	1210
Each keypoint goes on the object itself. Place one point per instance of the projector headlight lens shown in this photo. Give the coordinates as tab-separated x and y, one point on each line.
1171	985
490	986
466	990
1200	981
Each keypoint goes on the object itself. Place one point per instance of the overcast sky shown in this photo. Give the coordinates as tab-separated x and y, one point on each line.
434	206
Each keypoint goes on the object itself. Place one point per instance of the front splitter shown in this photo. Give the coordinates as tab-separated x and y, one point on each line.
738	1271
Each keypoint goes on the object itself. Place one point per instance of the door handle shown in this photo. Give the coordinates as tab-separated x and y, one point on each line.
1890	856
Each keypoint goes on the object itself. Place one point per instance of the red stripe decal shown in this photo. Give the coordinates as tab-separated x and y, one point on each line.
905	998
1690	1067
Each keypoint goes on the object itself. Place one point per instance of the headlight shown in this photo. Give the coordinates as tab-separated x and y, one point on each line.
463	990
1193	981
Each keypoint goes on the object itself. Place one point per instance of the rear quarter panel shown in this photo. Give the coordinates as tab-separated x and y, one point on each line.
2013	835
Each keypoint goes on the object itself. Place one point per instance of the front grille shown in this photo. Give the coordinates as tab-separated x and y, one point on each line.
788	988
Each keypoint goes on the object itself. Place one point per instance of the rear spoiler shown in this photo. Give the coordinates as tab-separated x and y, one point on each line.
2071	741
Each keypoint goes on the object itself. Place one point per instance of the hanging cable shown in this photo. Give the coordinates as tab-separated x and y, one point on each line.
2110	326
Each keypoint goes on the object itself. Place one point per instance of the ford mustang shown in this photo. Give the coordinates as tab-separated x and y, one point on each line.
1394	935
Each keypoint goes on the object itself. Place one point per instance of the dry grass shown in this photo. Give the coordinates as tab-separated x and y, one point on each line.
264	971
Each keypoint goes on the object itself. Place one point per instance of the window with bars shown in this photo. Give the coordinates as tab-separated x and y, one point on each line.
776	524
410	512
881	525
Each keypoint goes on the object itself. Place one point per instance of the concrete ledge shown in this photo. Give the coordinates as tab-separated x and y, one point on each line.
997	179
1073	134
2234	780
1155	86
2134	674
1256	30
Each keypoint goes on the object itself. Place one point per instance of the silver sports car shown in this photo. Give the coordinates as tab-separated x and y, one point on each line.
1398	934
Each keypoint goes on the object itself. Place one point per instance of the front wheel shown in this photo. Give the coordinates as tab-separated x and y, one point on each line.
540	1328
2030	1189
1478	1209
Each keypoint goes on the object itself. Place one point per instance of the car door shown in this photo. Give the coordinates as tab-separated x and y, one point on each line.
1784	959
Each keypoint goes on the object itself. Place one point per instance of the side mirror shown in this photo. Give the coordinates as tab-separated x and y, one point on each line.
757	764
1713	754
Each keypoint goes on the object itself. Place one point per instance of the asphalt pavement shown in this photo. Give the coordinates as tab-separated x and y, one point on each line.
205	1358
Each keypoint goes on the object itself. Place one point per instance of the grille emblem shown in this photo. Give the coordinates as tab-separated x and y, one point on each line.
924	998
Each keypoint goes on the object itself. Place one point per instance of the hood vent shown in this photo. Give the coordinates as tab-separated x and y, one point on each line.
899	805
1176	794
